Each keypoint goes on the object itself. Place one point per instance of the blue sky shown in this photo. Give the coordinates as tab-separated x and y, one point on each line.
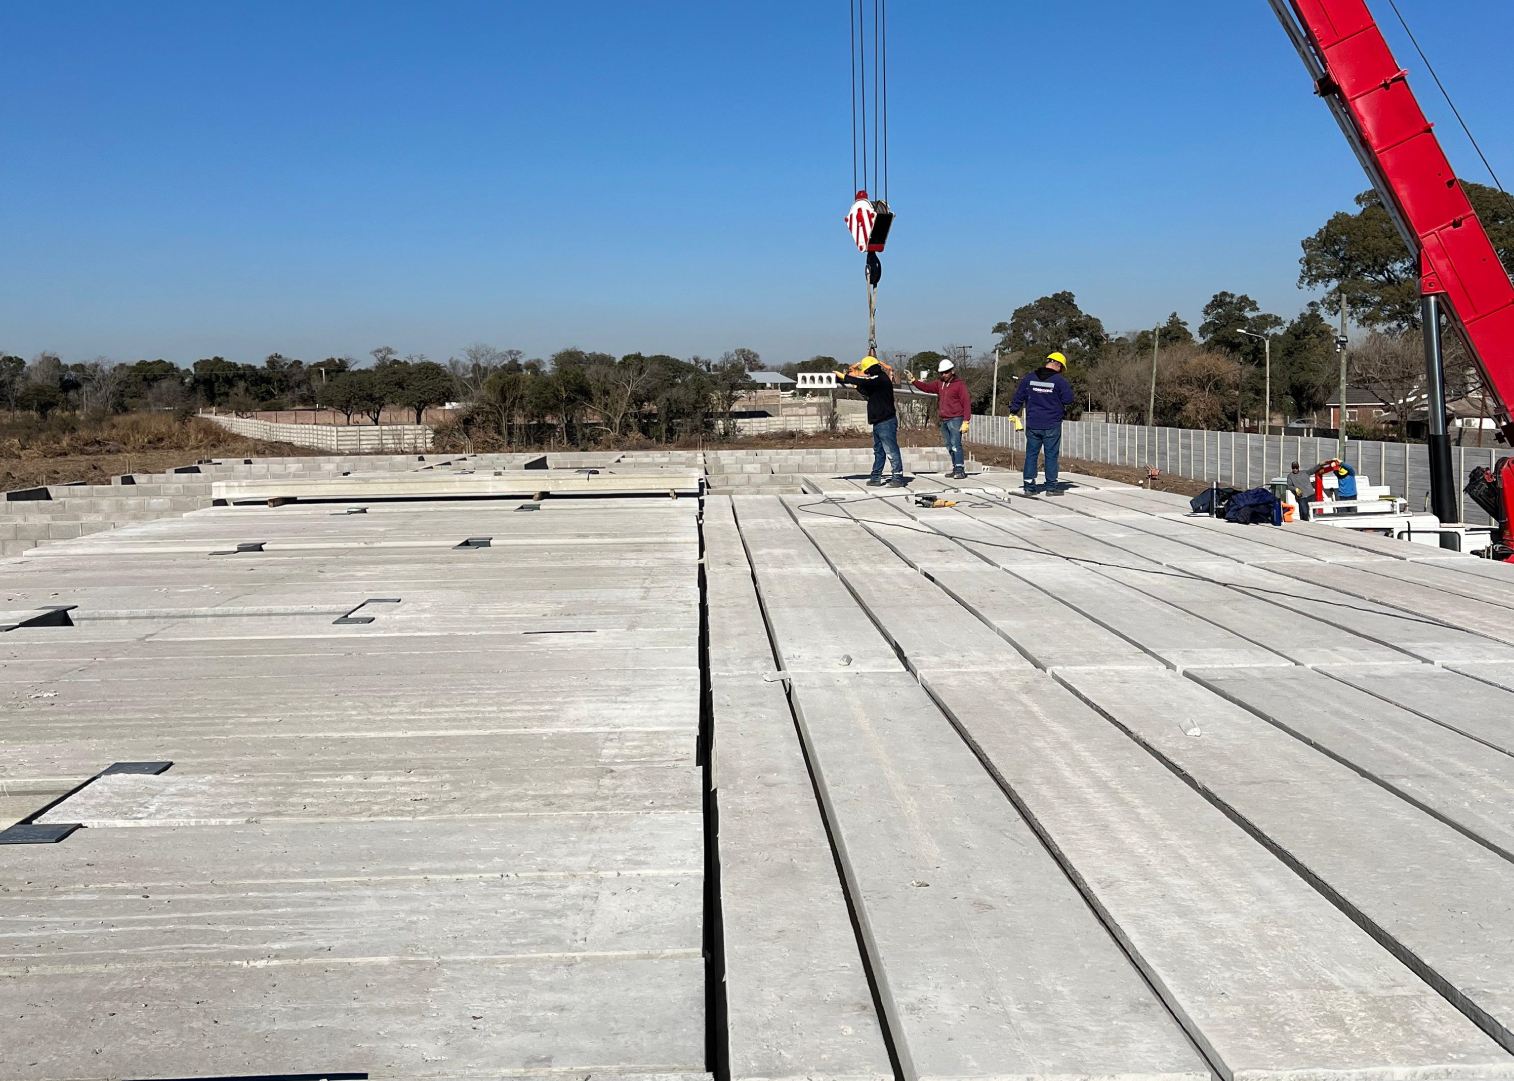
183	180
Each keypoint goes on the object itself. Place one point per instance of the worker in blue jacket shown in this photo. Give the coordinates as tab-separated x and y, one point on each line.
1044	394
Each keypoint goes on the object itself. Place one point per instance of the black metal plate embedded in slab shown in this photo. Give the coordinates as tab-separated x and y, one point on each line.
152	769
28	495
32	833
52	615
529	506
245	546
349	618
475	542
536	463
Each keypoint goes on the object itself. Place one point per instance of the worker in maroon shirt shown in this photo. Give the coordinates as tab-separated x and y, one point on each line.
956	409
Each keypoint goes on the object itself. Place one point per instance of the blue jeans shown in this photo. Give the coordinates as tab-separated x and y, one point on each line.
1037	440
886	442
951	435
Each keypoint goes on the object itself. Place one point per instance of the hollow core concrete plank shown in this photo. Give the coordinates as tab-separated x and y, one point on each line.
988	963
797	998
1458	702
1465	783
1441	902
1267	976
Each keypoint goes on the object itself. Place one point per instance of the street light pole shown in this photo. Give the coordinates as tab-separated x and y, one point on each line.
1151	403
1266	341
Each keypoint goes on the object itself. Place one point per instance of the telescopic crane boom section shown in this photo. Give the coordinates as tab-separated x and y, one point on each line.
1356	74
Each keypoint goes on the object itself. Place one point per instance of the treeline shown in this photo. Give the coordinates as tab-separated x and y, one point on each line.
572	397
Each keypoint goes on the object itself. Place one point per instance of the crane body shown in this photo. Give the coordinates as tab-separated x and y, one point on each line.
1355	72
1461	276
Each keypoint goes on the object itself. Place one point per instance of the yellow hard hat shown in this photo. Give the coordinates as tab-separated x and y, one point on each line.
1059	358
867	362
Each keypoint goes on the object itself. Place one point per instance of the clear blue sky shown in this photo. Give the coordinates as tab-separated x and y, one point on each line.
190	179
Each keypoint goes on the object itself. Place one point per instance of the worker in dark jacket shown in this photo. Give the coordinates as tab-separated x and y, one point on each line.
1044	394
955	407
875	381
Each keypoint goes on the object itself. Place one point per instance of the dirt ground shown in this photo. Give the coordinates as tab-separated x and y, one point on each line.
99	468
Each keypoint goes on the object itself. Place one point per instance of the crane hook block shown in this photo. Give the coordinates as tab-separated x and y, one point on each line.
869	221
874	268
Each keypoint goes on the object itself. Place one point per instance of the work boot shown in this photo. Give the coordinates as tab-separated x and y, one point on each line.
959	474
1030	489
897	482
874	482
1053	489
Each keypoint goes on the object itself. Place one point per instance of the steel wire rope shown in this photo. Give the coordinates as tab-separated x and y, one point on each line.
877	66
851	24
1084	560
861	9
882	30
1443	93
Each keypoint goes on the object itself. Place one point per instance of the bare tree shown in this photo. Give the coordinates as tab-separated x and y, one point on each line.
747	358
46	369
1393	368
618	390
479	361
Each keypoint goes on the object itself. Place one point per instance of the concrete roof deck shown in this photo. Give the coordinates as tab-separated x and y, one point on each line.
761	786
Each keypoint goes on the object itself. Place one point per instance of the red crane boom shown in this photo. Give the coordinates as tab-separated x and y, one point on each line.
1356	74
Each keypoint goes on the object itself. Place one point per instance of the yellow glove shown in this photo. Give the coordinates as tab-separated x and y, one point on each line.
966	424
1019	424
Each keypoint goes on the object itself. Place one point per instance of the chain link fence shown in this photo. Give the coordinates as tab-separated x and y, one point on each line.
1248	460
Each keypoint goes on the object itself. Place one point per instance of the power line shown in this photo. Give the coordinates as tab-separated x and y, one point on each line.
1457	112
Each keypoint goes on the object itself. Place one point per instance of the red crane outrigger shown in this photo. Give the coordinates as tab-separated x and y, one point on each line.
1355	73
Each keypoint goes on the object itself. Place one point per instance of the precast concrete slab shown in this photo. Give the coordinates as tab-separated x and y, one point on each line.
466	837
823	786
1464	782
987	961
1266	975
1385	863
1459	702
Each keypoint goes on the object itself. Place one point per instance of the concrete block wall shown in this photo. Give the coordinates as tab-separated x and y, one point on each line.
339	439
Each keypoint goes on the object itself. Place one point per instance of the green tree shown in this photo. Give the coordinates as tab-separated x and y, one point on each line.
1304	364
816	363
12	379
1227	316
1174	332
728	380
40	398
212	379
1363	255
504	394
353	392
1053	323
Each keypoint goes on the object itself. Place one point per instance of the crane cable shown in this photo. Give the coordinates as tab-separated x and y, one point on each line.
1443	93
870	169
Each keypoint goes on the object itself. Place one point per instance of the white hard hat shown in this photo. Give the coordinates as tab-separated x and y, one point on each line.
945	366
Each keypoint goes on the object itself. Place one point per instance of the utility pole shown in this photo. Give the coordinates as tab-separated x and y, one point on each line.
993	410
1151	402
1341	341
1266	340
